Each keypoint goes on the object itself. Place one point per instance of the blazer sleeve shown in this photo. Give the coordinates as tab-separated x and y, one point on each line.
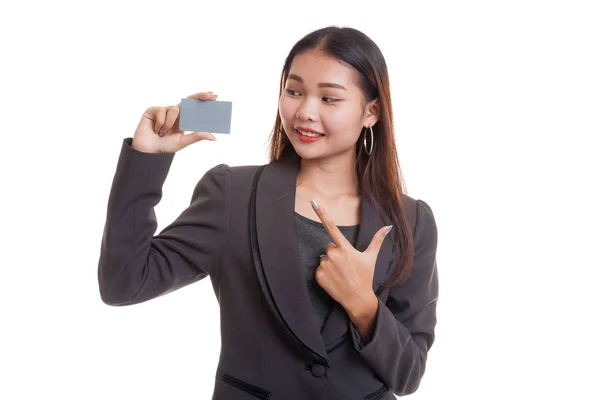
136	266
404	326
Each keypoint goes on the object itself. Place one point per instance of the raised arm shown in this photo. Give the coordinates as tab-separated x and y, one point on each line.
136	266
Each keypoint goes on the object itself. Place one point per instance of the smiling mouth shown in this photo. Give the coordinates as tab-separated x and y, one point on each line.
309	134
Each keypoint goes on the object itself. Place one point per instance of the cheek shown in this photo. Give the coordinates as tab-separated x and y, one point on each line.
287	110
342	122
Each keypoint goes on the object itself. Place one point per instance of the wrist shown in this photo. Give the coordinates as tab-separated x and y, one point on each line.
364	307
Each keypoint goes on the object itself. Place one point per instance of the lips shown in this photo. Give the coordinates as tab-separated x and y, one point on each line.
308	139
304	130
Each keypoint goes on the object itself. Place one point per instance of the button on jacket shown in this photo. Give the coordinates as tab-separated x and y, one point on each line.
239	230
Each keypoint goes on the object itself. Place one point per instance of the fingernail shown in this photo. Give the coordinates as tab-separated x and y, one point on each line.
314	204
388	229
161	133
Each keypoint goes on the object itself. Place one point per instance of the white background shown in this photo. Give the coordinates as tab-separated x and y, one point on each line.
497	110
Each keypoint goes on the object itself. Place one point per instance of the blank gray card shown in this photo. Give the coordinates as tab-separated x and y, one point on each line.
205	116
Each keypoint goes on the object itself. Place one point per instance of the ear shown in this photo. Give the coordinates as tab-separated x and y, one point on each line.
372	115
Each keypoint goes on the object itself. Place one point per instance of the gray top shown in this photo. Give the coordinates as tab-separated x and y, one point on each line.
312	239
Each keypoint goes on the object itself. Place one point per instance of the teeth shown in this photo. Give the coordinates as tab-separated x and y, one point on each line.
309	134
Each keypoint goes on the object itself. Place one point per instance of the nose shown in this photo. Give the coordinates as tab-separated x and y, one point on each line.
306	111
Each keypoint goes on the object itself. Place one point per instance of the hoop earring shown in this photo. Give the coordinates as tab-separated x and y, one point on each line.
365	142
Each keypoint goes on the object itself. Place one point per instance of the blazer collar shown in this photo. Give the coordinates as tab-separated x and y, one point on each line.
280	258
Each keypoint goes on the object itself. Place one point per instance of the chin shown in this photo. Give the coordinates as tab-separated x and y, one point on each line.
308	154
314	151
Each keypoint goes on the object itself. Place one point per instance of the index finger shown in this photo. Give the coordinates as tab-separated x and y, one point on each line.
338	237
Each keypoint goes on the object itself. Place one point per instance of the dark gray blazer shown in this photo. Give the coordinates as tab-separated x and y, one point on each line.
271	347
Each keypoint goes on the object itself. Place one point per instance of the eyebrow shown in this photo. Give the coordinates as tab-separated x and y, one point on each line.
321	85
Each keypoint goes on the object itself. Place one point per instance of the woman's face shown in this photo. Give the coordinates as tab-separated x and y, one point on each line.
322	95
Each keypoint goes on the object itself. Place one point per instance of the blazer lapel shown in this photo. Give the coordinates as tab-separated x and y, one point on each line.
278	248
280	258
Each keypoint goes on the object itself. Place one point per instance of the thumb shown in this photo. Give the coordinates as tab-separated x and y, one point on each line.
194	137
378	239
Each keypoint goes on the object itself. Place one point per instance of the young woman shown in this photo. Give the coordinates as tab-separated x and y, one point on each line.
319	297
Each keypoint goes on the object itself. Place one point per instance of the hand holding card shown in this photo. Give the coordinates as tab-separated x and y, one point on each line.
161	131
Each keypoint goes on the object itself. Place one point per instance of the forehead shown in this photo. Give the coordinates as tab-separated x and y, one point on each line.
316	67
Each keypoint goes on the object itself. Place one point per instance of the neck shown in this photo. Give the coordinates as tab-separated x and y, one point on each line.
330	177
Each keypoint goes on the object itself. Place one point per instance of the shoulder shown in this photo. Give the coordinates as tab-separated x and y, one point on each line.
420	214
238	171
237	178
245	173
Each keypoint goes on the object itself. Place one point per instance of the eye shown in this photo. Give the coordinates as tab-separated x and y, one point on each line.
292	91
329	99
